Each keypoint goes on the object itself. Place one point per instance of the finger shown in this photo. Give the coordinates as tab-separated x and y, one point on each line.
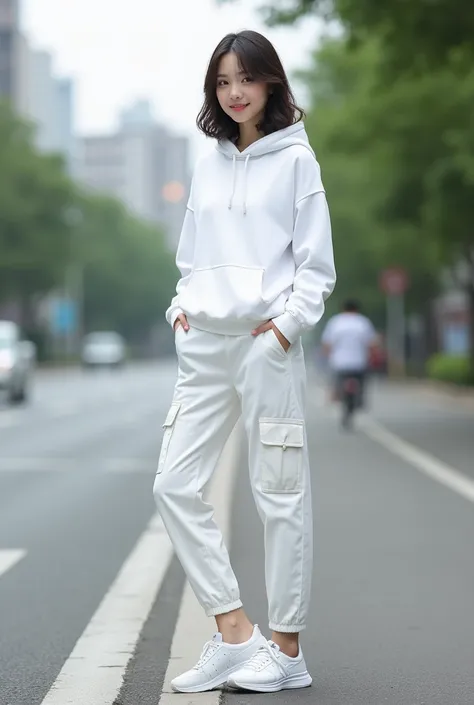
262	328
184	321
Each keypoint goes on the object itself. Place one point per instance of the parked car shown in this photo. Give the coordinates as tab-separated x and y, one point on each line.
103	349
17	359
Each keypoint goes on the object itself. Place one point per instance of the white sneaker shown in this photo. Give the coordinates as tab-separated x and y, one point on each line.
217	662
270	670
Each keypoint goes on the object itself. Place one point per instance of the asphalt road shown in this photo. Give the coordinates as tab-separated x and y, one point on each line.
392	619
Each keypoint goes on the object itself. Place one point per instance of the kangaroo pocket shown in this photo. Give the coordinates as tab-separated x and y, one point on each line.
224	292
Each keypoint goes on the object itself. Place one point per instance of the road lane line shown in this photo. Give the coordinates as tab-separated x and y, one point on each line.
432	467
93	673
9	557
193	628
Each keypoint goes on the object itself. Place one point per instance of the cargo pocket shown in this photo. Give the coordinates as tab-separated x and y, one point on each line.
281	454
168	426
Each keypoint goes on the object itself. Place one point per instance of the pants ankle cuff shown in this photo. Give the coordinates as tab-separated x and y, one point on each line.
214	611
287	628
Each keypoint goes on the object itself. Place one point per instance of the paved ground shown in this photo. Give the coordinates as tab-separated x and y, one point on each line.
87	579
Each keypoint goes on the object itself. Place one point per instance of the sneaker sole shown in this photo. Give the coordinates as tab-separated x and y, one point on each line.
210	685
300	680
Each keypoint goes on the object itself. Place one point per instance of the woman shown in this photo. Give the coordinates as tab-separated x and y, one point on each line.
256	264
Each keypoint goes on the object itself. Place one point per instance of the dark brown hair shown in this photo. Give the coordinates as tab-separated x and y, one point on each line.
258	58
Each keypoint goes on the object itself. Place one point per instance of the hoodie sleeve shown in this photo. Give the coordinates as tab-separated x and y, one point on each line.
184	262
315	274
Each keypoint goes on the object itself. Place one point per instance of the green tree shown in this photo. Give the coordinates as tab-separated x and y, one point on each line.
35	198
414	32
406	121
128	272
49	230
360	172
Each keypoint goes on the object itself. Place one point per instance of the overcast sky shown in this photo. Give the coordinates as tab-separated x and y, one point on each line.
119	50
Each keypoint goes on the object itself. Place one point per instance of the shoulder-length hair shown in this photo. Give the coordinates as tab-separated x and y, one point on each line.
258	58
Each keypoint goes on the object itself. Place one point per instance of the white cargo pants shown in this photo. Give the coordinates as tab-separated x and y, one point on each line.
219	378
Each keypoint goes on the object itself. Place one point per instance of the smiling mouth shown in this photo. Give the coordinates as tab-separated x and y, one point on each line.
240	106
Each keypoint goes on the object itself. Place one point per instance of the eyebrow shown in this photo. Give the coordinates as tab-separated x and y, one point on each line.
224	75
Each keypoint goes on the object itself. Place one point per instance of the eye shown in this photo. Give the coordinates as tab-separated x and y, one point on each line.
221	82
247	79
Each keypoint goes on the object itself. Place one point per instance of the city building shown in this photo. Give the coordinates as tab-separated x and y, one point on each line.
9	50
47	101
144	165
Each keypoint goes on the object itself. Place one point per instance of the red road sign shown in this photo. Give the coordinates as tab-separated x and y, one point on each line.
393	281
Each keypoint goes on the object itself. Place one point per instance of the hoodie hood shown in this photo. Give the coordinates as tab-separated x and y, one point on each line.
276	141
289	136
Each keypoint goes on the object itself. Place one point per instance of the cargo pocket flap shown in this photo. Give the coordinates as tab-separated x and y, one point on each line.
286	433
172	414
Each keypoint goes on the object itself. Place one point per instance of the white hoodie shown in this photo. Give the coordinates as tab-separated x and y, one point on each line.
256	239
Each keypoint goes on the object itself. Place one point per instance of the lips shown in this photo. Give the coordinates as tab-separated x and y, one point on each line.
239	106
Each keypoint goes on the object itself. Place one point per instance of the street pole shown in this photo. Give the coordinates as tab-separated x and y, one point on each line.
393	282
395	306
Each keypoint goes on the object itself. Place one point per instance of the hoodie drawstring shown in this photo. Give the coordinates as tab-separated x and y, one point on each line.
234	178
233	181
244	208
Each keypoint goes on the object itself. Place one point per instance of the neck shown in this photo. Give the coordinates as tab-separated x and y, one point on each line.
248	135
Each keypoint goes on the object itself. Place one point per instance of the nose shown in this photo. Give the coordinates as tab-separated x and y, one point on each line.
235	91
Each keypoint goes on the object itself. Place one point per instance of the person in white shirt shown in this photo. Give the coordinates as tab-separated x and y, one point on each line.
348	340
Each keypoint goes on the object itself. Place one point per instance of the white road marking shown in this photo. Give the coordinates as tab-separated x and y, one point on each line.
193	628
432	467
9	557
93	673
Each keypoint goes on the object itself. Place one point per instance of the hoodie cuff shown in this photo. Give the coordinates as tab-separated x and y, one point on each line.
173	314
288	326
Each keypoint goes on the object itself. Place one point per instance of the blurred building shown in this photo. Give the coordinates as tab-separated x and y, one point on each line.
144	165
28	82
9	50
47	101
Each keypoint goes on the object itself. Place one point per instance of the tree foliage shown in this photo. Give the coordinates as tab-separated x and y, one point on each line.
390	115
35	196
48	228
421	32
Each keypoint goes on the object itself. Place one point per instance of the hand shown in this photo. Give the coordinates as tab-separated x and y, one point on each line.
269	325
181	321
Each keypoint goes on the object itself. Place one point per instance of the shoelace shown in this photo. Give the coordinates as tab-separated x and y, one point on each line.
209	649
262	657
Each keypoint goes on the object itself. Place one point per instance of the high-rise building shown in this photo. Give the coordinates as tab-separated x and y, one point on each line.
47	101
144	165
9	49
65	139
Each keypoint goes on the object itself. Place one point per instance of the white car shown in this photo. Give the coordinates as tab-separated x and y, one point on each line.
103	349
17	358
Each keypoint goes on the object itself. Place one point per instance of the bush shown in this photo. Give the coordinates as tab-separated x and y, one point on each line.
449	368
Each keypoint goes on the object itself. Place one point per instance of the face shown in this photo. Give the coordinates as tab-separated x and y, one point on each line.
238	95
